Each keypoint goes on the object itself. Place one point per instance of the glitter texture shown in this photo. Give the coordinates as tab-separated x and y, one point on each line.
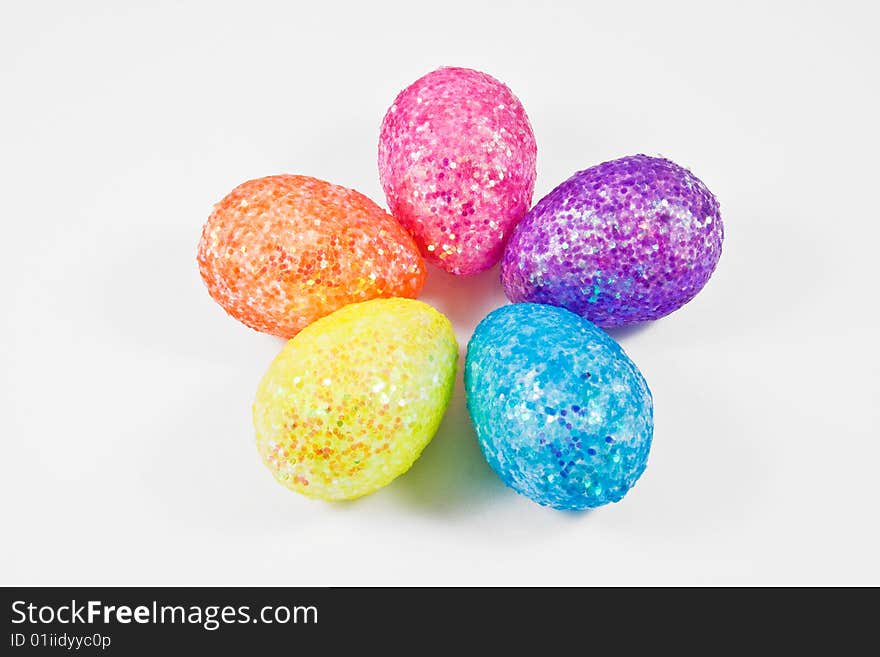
457	162
562	414
352	400
623	242
279	252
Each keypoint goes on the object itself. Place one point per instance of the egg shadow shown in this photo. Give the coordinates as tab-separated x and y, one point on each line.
624	332
451	476
465	300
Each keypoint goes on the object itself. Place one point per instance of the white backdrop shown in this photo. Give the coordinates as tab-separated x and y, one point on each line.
128	453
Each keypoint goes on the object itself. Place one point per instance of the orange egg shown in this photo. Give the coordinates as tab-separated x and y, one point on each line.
282	251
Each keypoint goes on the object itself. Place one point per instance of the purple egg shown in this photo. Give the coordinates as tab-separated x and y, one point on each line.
626	241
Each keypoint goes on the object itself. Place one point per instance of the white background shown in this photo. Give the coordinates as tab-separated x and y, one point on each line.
125	396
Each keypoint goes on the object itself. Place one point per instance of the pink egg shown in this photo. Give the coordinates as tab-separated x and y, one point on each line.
457	162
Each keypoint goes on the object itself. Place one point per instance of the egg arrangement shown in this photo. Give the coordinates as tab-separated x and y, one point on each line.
561	413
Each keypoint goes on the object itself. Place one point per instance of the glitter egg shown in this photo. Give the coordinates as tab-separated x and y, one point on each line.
353	399
623	242
561	413
279	252
457	162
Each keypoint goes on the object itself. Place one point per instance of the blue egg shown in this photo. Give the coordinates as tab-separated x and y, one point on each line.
561	412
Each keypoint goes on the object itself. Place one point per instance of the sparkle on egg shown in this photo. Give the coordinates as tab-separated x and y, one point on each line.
339	413
626	241
456	161
279	252
561	413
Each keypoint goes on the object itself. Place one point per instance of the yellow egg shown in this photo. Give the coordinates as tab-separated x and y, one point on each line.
353	399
